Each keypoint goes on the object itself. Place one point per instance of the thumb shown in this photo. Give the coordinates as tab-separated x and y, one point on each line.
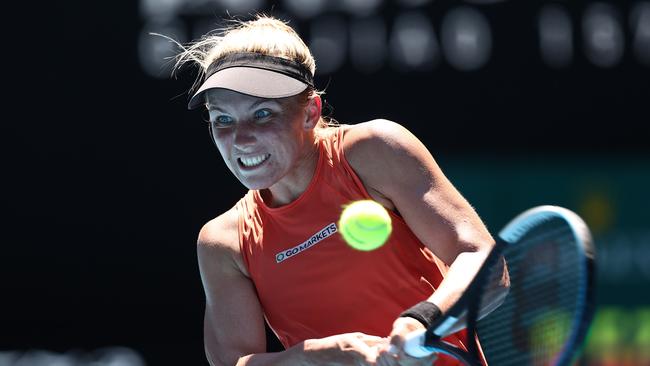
395	345
396	340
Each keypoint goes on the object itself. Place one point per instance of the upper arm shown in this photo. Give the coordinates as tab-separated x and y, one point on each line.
234	322
393	162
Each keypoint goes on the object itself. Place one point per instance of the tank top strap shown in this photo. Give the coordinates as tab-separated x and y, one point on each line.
344	172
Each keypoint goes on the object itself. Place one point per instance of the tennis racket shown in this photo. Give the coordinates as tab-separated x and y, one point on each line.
545	315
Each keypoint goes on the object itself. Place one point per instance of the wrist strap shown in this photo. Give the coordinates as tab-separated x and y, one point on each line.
425	312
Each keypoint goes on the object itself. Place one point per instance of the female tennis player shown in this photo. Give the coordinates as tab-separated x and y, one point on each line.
276	256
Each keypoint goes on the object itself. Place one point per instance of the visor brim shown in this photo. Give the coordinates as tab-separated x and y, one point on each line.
250	81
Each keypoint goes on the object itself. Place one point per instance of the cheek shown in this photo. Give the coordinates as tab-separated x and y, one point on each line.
223	144
221	138
285	145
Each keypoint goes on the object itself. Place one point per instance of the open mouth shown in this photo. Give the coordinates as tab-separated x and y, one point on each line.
252	161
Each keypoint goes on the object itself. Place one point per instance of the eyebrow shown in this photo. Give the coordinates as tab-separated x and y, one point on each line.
253	105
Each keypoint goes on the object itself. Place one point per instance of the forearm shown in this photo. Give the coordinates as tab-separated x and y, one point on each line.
460	275
292	356
337	350
220	354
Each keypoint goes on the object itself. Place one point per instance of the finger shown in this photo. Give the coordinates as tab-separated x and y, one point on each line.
360	344
367	354
370	340
376	341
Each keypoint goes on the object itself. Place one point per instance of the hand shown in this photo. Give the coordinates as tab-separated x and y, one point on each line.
388	356
345	349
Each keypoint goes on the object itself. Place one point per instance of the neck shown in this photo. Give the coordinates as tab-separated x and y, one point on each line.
294	184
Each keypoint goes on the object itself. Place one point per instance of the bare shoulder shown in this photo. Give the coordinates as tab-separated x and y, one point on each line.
383	152
219	231
218	241
374	132
372	142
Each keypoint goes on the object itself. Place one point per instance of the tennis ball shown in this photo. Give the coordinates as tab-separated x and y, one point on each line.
365	225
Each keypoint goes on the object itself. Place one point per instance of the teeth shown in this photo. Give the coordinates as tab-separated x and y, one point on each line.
254	160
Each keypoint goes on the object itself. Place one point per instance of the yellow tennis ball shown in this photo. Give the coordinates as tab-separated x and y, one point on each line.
365	225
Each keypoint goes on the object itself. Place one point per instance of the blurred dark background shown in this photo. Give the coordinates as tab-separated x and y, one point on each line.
107	178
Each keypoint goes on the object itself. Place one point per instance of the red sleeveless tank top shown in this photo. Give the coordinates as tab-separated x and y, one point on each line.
310	283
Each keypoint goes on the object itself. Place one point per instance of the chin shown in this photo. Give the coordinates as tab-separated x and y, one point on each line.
255	184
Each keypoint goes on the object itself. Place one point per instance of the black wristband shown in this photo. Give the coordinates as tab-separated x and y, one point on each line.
425	312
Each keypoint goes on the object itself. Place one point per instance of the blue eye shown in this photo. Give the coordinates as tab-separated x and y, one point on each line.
262	113
220	120
224	120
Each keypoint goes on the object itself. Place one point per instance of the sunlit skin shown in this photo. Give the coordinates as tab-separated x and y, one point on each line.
247	127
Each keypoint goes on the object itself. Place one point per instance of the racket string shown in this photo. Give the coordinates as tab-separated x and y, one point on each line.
533	322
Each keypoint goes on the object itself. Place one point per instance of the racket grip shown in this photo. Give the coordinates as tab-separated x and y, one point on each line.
414	344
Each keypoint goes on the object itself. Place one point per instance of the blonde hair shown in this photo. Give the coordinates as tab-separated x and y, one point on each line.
264	34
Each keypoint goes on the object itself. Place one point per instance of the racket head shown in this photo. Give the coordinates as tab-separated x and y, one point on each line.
550	303
543	319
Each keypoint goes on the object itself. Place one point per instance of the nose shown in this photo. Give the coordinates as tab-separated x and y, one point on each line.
244	135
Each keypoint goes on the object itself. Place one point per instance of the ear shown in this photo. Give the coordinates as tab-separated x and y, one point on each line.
313	112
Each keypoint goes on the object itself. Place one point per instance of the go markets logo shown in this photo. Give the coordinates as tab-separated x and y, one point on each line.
313	240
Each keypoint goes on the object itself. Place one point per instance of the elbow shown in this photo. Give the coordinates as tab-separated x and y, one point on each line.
502	287
497	290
